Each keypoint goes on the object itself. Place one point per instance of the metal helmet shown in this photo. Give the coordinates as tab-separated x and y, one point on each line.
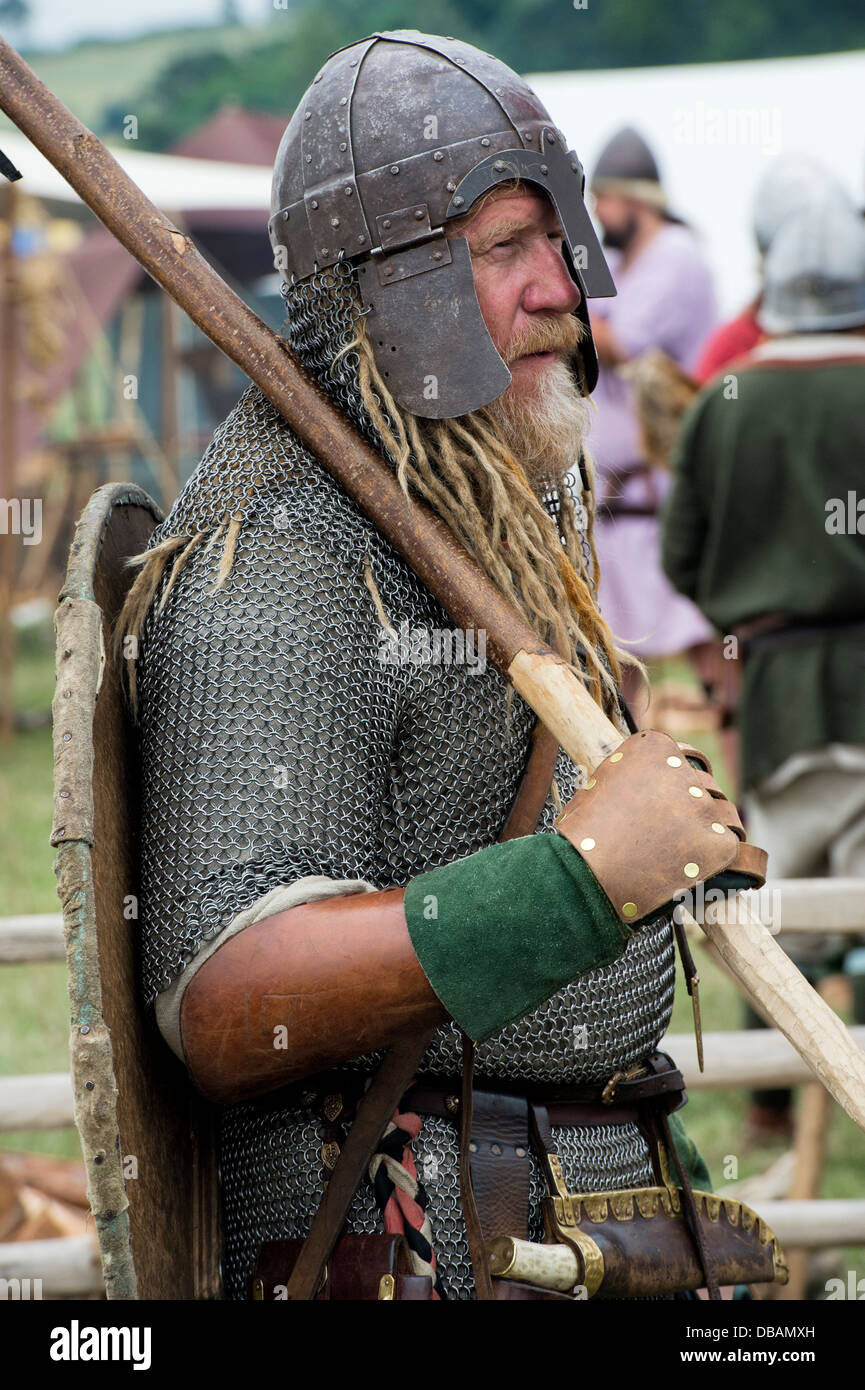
627	166
791	182
815	272
397	134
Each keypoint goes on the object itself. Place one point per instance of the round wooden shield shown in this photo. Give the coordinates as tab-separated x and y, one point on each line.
147	1137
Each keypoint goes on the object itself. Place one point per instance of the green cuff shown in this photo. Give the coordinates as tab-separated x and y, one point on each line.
502	931
692	1160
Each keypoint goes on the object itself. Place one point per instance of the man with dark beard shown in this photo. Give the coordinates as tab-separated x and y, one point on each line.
320	866
665	301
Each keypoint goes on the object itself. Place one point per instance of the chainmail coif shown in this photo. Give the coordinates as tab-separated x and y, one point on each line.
277	742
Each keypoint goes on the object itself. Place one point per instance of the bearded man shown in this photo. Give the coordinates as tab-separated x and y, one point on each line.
303	790
665	301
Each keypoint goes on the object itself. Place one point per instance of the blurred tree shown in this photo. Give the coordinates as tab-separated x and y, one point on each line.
183	95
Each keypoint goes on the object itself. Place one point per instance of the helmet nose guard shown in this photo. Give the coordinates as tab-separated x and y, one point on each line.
358	176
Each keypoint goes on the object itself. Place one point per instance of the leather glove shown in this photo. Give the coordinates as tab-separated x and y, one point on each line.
652	823
501	931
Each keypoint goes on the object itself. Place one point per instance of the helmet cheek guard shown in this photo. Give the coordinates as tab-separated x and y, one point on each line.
447	365
559	175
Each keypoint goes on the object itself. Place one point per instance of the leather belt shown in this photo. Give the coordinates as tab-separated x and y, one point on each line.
434	1095
778	630
443	1101
570	1104
499	1144
499	1147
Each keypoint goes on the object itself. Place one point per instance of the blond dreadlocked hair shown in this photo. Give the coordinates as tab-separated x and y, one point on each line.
464	471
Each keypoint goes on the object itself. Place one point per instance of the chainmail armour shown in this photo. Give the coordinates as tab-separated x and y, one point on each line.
277	743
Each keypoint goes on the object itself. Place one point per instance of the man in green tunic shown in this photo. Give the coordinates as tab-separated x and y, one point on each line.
765	531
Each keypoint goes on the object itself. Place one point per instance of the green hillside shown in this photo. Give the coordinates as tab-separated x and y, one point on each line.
93	76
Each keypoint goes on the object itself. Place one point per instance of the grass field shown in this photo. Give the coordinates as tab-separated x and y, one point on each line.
34	1011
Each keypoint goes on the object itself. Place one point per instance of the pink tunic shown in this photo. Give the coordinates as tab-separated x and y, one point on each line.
665	300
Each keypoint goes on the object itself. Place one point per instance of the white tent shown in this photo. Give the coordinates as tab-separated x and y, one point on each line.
171	182
714	128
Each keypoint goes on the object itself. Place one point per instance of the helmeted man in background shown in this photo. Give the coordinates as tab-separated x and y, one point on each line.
764	529
791	183
318	781
665	301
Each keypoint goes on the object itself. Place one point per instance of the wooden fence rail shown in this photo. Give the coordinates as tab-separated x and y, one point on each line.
814	904
755	1058
36	1102
67	1268
71	1268
815	1224
31	938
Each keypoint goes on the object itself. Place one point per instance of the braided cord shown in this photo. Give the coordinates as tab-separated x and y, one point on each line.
401	1195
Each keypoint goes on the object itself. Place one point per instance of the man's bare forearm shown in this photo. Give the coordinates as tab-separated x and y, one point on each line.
309	987
483	940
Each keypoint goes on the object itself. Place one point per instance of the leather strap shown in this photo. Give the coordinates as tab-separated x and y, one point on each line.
522	820
474	1230
751	860
542	1137
690	1213
534	787
373	1114
499	1162
777	629
661	1078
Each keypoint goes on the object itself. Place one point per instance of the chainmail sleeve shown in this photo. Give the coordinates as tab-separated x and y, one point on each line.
268	728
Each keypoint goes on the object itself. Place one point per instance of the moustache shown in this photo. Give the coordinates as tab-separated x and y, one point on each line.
561	335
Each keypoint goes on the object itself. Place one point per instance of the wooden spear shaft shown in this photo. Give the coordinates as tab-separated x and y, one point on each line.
472	600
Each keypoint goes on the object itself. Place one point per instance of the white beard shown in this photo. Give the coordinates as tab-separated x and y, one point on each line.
544	429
